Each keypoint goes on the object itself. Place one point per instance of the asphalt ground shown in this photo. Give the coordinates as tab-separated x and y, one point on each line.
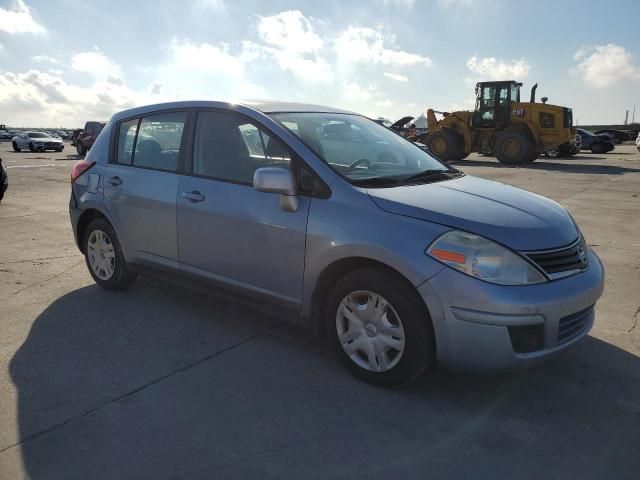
161	382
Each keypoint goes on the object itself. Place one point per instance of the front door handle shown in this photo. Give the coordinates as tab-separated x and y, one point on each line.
194	196
115	181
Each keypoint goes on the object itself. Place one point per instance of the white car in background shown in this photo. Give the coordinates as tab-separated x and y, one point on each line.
638	142
36	142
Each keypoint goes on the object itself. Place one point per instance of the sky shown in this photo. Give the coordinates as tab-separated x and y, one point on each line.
63	62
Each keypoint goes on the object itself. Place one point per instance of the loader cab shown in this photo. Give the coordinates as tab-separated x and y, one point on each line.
493	103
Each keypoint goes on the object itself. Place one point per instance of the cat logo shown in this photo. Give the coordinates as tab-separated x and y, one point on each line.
518	112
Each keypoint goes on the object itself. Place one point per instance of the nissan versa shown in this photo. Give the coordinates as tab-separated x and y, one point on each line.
401	260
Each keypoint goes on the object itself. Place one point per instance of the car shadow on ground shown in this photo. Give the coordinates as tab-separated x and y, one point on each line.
556	166
159	382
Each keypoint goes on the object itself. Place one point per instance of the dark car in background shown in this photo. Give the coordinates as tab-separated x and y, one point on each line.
601	143
84	139
4	180
618	136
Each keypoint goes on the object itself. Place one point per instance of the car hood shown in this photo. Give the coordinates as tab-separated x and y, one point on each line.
516	218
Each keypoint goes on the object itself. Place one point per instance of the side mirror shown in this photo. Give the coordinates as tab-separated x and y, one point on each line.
278	180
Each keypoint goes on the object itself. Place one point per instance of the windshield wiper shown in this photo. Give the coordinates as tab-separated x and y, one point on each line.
376	182
433	175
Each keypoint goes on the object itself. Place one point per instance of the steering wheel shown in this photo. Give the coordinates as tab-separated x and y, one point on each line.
358	162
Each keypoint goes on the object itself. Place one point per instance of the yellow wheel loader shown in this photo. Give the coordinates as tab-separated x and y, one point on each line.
515	132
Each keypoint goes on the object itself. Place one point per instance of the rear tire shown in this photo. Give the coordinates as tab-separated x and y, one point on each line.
15	147
31	147
388	334
104	257
597	147
80	149
515	148
446	145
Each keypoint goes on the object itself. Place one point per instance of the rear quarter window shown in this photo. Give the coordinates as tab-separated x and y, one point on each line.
153	141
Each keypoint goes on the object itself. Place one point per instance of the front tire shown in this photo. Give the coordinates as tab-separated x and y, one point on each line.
380	327
597	148
446	145
32	148
15	147
515	148
104	258
80	149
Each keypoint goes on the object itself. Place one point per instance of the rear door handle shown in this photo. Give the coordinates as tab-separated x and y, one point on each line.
115	181
194	196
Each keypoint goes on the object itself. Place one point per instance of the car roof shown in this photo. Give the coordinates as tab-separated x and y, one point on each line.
264	106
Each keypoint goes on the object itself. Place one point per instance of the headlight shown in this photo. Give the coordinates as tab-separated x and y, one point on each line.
484	259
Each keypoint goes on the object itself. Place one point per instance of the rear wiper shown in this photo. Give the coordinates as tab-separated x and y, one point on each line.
376	182
433	175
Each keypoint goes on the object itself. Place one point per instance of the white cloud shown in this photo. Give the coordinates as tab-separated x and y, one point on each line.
357	92
18	19
456	3
396	76
400	3
45	99
366	45
605	65
96	63
490	68
386	103
206	71
291	40
207	58
210	4
44	59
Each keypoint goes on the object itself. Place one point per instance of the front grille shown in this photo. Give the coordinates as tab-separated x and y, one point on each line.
573	325
563	261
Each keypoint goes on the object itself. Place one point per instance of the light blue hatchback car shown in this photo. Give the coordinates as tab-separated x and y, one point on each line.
335	220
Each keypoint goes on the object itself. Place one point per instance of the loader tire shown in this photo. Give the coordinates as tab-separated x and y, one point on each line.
515	148
446	145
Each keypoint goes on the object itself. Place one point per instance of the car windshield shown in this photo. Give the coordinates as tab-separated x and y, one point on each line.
38	135
360	149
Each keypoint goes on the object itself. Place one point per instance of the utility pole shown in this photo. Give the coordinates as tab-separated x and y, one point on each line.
626	118
633	119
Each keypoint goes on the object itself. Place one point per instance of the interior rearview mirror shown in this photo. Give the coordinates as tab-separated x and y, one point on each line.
278	180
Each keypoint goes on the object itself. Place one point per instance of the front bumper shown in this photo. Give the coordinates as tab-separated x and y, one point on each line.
50	146
471	318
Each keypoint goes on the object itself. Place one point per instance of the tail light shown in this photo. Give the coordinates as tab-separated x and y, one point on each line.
79	168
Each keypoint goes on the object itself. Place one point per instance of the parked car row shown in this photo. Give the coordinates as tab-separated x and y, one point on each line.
618	136
9	134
